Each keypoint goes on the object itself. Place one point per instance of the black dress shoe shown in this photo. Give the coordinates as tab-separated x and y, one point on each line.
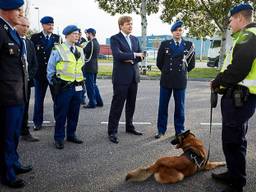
18	183
232	189
37	128
222	177
159	135
74	140
59	144
29	138
88	107
134	132
23	169
113	138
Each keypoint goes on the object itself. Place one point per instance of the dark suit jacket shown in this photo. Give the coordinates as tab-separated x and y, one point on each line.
169	61
43	52
32	61
13	75
92	65
124	72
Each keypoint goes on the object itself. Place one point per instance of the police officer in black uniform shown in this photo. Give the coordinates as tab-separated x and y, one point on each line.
237	83
90	69
176	57
43	42
13	95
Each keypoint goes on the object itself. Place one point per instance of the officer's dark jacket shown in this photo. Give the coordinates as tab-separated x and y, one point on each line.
43	52
169	61
92	65
80	41
124	72
13	75
32	61
243	57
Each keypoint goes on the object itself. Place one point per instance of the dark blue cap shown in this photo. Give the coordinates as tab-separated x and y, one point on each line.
70	29
10	4
176	25
90	30
240	7
46	20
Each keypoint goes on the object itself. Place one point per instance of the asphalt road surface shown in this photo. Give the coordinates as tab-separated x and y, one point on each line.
101	166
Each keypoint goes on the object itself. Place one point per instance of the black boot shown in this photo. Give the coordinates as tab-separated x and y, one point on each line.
222	177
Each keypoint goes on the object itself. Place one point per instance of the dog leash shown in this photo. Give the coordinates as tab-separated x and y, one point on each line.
214	102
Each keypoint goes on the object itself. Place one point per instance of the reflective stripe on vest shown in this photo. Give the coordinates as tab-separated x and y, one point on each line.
69	69
250	79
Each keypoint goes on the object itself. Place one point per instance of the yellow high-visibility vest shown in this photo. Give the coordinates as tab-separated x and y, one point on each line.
250	79
68	68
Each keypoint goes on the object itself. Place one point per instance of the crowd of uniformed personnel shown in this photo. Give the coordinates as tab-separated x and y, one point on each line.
45	61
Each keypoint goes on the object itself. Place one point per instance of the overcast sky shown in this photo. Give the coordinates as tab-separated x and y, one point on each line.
86	14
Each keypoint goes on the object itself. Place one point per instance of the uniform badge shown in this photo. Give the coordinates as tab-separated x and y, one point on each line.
6	27
166	51
11	51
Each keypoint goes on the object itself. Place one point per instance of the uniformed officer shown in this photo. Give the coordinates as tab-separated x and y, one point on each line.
90	69
175	58
43	42
64	72
13	95
237	83
31	60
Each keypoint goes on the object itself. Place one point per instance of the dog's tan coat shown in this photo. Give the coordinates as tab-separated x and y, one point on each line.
174	169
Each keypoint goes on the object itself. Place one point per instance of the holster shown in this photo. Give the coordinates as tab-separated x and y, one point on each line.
239	94
58	85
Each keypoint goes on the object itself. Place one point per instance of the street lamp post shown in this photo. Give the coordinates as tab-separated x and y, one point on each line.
38	17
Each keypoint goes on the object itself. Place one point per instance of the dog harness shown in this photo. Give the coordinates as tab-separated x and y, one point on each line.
195	158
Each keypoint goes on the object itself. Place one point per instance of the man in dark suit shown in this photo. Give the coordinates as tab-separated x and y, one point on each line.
30	55
13	94
125	77
175	58
43	42
90	69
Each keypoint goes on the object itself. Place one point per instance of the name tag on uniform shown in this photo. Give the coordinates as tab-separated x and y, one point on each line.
79	88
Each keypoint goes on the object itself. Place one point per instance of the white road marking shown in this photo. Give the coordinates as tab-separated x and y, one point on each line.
214	124
123	123
44	122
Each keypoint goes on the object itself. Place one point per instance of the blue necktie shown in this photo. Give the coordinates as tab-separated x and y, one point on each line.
47	40
129	41
24	45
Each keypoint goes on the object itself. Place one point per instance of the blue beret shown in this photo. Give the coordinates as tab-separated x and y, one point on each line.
90	30
176	25
46	20
240	7
70	29
10	4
